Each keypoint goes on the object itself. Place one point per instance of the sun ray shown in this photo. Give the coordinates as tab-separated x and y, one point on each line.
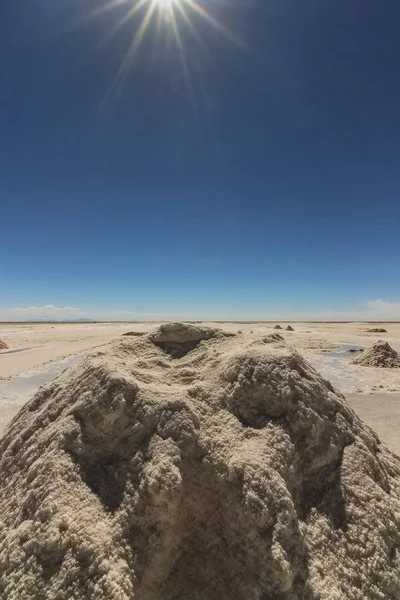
109	6
129	15
158	24
137	40
84	20
216	24
189	23
171	13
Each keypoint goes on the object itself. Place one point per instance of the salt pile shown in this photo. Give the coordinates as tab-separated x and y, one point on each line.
289	328
3	345
273	338
380	354
133	333
277	327
234	472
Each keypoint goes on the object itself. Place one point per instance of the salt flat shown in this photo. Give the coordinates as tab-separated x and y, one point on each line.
40	343
38	352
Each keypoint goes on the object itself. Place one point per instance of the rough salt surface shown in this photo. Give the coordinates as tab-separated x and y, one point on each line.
234	472
3	345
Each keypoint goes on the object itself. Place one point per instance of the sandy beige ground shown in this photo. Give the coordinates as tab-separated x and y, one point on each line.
38	343
382	413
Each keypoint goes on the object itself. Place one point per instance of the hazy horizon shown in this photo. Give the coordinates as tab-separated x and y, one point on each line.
378	310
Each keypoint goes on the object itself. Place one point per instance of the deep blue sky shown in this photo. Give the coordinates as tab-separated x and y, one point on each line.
271	186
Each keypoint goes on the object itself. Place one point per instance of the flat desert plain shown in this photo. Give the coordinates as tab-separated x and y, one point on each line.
38	352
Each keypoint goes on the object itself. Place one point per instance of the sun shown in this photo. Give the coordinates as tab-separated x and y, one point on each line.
166	4
171	14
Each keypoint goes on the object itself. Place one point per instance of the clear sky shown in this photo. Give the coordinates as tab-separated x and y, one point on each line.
252	175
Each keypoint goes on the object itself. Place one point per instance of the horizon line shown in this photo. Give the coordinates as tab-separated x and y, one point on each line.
244	322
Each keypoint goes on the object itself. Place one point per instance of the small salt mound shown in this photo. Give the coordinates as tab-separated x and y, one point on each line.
289	328
3	345
277	327
234	473
380	354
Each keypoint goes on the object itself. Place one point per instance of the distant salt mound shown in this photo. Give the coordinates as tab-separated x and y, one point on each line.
3	345
277	327
235	472
380	354
376	330
289	328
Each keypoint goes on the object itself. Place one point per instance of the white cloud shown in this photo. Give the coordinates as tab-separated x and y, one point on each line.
391	309
375	310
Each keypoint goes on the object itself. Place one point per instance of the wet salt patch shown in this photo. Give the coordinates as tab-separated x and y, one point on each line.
334	370
353	378
51	370
345	351
14	393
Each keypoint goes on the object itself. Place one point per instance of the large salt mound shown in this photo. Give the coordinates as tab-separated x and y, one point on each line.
233	473
3	345
177	339
380	354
